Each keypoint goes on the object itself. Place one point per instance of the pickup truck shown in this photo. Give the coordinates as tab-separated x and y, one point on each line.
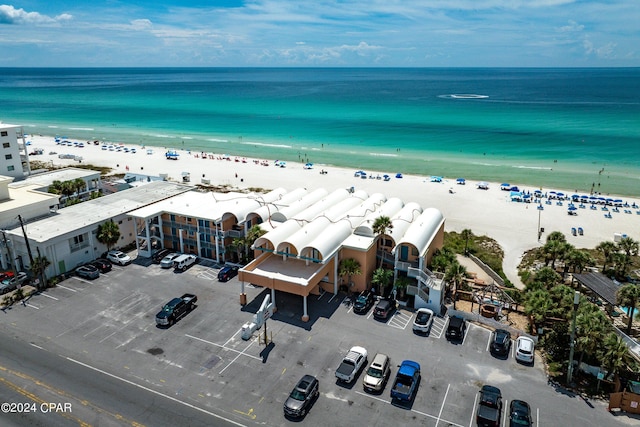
489	407
406	382
176	309
355	359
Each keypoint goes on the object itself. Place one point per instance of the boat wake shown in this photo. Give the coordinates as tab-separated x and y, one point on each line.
464	96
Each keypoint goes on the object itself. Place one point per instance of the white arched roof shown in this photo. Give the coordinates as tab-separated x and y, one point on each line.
298	206
389	208
274	205
239	208
304	235
422	231
403	219
328	242
277	235
321	206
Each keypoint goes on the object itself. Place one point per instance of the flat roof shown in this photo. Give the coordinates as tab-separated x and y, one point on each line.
292	270
96	211
45	179
604	287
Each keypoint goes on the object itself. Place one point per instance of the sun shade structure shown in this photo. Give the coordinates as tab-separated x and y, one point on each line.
600	285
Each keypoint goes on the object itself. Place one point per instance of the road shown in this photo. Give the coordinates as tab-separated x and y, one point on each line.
47	389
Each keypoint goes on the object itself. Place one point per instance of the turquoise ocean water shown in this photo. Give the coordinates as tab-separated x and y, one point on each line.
554	128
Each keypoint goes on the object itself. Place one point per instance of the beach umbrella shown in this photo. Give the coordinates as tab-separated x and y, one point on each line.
505	184
527	196
560	194
460	180
398	175
572	208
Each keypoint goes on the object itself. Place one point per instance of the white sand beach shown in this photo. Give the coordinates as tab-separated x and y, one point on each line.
485	212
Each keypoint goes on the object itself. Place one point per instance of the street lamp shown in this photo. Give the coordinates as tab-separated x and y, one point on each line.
576	303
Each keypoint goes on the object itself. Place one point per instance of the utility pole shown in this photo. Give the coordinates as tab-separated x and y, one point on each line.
13	261
26	240
576	303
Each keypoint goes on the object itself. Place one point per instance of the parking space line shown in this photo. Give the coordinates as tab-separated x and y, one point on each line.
32	306
488	343
64	287
538	417
505	406
439	327
82	280
473	413
227	341
442	406
240	354
321	294
92	331
222	346
331	299
108	336
48	296
399	320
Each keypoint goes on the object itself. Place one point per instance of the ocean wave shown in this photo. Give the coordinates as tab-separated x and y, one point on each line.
52	127
463	96
88	129
217	140
186	137
262	144
533	167
383	154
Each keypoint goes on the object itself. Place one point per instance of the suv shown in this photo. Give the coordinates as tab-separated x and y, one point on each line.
301	397
363	302
102	265
384	308
520	414
227	272
377	373
524	349
424	319
118	257
500	342
456	329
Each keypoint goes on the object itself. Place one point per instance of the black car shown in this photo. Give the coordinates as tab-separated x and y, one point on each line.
520	414
227	273
456	329
102	265
157	257
384	308
500	342
363	302
300	399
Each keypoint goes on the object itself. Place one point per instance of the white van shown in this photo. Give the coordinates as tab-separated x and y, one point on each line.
184	261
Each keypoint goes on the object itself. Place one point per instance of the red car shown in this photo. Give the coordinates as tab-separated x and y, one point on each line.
6	275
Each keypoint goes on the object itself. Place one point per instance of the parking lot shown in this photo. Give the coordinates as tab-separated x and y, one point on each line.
109	323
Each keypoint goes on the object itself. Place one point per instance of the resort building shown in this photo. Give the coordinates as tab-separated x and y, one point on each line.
67	237
84	182
14	160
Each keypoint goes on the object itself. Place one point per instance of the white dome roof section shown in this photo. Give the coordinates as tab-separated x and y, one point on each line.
390	208
321	206
298	206
403	219
271	240
422	231
270	206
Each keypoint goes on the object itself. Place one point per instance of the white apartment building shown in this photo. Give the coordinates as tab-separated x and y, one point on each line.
14	160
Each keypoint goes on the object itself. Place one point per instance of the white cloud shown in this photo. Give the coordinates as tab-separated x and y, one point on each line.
141	24
573	27
11	15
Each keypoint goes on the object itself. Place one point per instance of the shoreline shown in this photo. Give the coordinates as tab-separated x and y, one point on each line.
514	225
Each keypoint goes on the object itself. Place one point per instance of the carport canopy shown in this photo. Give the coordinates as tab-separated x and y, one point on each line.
599	284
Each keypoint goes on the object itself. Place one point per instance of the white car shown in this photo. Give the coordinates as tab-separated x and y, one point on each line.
525	348
118	257
167	262
424	319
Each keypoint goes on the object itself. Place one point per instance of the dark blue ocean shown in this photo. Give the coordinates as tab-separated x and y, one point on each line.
564	128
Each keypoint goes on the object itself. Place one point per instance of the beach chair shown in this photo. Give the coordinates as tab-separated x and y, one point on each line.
580	231
607	215
573	231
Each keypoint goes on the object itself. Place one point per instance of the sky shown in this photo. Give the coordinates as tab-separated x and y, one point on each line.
320	33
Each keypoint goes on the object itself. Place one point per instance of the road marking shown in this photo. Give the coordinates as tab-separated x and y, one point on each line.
157	393
249	413
538	417
108	336
488	342
36	346
64	287
92	331
82	280
32	306
232	336
473	413
223	347
48	296
504	418
331	299
442	406
236	358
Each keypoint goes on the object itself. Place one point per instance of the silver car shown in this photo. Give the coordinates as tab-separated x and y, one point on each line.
377	373
167	262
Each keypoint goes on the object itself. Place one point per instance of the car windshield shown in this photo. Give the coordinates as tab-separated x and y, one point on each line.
374	372
297	394
519	419
422	317
361	299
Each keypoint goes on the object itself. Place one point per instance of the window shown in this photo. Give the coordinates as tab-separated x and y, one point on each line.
4	133
8	156
6	144
78	242
11	168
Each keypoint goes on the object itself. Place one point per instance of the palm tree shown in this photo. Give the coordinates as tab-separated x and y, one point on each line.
38	267
382	278
466	234
349	267
238	245
545	278
381	226
578	259
629	296
55	187
456	273
254	233
607	249
556	236
108	233
615	354
442	258
78	185
630	248
591	326
538	304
